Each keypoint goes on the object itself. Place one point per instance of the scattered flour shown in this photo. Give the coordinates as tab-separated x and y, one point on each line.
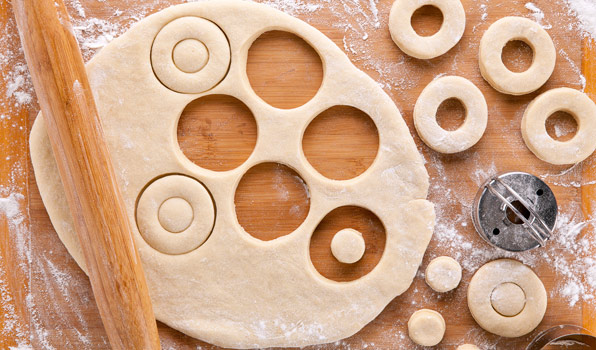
538	15
585	11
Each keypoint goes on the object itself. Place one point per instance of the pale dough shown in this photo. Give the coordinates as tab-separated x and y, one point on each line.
533	126
443	274
468	347
426	327
348	246
235	290
426	47
488	298
425	114
494	70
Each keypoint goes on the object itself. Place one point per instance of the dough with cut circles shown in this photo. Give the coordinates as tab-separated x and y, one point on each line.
426	47
443	274
223	285
348	246
533	126
494	294
491	63
425	114
426	327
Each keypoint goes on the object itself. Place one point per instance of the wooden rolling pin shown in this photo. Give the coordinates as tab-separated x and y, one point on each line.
95	201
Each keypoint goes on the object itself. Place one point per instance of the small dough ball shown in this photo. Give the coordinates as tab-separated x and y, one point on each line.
443	274
426	327
508	299
348	246
468	347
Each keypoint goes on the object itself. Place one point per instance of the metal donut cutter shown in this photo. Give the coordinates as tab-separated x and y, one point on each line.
564	337
515	211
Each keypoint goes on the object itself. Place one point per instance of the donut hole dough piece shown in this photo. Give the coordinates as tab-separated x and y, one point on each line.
348	246
425	114
494	70
175	214
489	279
190	55
443	274
468	347
536	137
508	299
426	327
426	47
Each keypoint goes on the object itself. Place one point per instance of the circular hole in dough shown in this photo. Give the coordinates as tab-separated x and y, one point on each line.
356	218
426	327
517	56
190	55
348	246
175	214
283	69
271	201
427	20
508	299
451	114
491	63
443	274
425	114
533	126
217	132
561	126
426	47
341	143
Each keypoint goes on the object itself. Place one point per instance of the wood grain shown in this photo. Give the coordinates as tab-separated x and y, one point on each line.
85	167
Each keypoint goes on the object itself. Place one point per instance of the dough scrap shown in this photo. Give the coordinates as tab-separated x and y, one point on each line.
533	126
425	114
443	274
234	290
468	347
491	276
426	327
348	246
427	47
494	70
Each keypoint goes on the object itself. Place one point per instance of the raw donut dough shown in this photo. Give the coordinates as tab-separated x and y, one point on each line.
508	299
348	246
175	215
443	274
481	300
494	70
426	47
425	114
533	126
235	290
426	327
190	55
468	347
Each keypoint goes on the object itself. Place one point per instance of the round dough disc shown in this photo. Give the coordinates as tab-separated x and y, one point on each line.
443	274
426	327
348	246
508	299
468	347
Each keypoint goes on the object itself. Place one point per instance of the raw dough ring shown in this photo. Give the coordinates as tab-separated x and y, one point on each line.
533	126
150	217
425	114
426	327
491	276
179	31
443	274
491	47
426	47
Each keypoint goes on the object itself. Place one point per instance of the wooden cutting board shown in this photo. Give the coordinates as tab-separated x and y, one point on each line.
47	298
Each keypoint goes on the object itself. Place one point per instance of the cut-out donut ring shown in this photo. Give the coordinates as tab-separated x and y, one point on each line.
533	126
175	214
494	70
507	287
190	55
425	114
426	47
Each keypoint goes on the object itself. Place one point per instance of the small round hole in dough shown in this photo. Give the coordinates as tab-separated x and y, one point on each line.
443	274
348	246
426	327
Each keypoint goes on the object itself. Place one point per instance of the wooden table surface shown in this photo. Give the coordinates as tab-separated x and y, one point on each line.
46	298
